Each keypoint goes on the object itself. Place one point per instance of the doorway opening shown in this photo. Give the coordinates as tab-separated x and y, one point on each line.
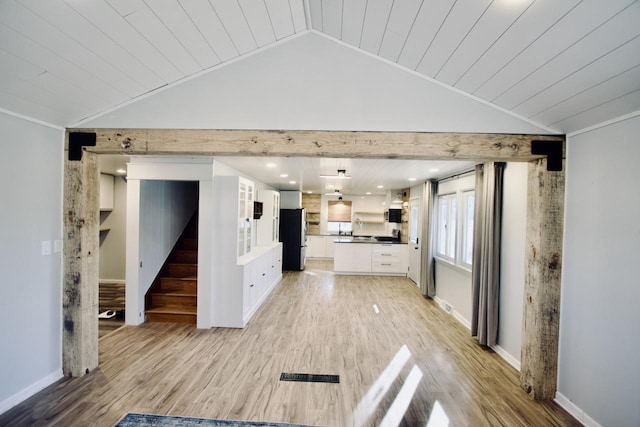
112	243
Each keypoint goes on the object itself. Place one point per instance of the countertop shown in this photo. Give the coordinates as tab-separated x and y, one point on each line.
367	240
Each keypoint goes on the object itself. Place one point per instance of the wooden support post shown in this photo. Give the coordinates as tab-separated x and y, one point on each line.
545	215
80	277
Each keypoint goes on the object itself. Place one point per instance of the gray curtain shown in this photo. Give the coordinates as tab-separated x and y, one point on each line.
428	238
486	252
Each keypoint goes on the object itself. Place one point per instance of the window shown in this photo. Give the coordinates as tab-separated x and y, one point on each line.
336	227
339	220
447	226
455	227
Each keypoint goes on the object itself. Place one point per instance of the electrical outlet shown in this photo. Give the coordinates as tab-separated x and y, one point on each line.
448	308
46	247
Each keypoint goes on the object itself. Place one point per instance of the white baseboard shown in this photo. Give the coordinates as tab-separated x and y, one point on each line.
506	356
452	311
26	393
461	319
577	413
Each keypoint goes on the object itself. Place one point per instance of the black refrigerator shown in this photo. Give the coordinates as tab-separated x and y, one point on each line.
293	235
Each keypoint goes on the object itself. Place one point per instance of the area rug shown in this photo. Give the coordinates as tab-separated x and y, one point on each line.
148	420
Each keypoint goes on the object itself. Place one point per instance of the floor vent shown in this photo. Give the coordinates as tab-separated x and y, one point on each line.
310	378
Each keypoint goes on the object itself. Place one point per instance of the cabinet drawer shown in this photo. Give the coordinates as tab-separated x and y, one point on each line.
386	249
385	257
387	266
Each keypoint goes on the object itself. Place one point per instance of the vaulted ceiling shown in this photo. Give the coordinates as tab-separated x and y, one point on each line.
565	64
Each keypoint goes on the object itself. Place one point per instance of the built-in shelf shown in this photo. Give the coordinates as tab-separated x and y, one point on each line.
367	217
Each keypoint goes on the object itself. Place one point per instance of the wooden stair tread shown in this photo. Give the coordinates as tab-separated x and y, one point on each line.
174	294
172	310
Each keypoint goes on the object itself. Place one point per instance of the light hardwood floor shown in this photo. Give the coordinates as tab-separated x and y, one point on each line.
314	322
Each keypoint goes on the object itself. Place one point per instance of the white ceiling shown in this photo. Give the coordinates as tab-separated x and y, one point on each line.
366	174
566	64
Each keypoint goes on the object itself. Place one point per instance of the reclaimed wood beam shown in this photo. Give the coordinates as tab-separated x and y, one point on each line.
543	271
336	144
80	265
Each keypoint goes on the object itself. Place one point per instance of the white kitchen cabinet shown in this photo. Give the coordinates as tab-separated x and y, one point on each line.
352	258
370	258
316	247
389	258
329	246
243	274
241	288
245	213
268	226
320	246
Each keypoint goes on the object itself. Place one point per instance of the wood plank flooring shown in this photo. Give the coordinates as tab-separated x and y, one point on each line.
314	322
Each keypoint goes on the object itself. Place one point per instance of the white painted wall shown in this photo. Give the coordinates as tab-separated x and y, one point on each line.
313	83
600	315
514	227
113	242
31	302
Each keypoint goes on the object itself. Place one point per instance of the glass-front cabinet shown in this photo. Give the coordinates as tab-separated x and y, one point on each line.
245	216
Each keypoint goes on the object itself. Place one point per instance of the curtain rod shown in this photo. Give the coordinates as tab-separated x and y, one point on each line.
457	175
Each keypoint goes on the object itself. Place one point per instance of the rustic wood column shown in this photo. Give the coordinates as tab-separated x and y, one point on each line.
80	266
543	267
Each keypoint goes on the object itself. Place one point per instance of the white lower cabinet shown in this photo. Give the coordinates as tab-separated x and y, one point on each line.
370	258
240	290
320	246
389	258
315	246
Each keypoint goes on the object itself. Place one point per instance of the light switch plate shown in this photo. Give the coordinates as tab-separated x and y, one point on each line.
57	246
46	247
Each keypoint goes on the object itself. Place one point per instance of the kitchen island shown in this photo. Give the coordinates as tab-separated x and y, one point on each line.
370	256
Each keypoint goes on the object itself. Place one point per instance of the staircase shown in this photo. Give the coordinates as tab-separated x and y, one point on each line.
173	295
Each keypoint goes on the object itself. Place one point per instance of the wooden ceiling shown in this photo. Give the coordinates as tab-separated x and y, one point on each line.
566	64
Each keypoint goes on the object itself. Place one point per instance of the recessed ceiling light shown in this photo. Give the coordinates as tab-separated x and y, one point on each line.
434	170
412	179
292	182
380	186
284	175
368	193
309	192
121	171
271	165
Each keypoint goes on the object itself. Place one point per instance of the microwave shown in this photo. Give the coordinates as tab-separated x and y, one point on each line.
394	215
